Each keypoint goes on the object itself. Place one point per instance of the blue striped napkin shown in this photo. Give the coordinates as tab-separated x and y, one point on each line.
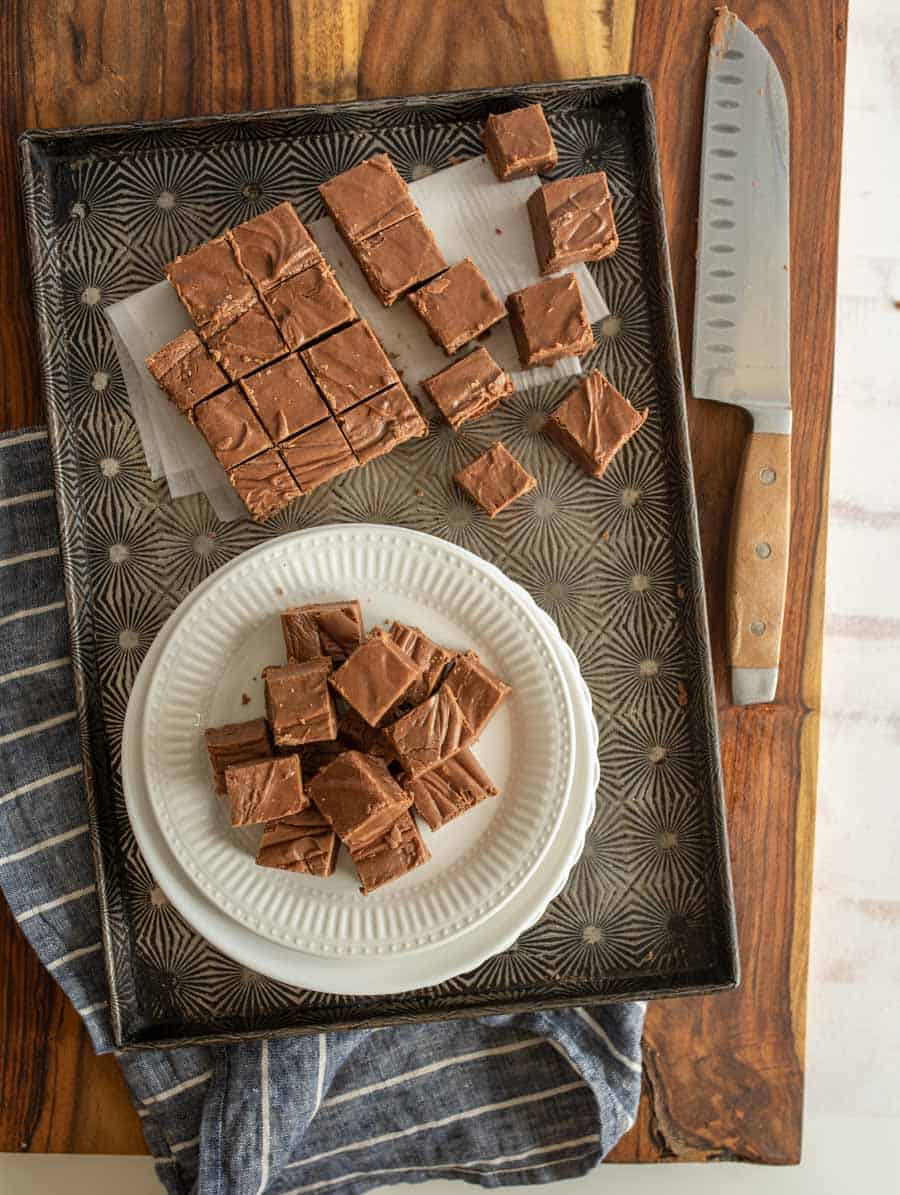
496	1101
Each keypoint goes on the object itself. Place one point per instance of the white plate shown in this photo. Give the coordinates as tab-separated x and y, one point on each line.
374	975
231	632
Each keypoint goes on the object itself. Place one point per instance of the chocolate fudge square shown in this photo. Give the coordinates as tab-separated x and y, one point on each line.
184	369
572	221
457	306
592	423
263	790
264	484
350	366
429	656
519	143
469	388
358	797
211	285
309	305
284	398
273	246
237	742
399	258
396	853
429	734
230	428
549	321
367	198
450	789
380	424
299	703
248	343
303	843
317	455
375	677
495	479
333	629
479	691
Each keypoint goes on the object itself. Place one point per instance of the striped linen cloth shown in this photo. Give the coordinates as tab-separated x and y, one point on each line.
496	1101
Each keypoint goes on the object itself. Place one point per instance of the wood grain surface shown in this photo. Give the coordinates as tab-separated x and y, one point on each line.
724	1074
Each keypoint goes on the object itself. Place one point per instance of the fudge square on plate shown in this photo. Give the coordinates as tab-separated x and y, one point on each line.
350	366
235	743
429	734
572	220
519	143
299	703
367	198
333	629
375	677
284	398
264	484
593	422
186	371
478	691
457	306
469	388
495	479
382	423
549	321
264	790
399	258
398	851
450	789
303	843
424	652
273	246
358	797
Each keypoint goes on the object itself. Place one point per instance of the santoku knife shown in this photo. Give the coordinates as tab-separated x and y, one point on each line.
741	331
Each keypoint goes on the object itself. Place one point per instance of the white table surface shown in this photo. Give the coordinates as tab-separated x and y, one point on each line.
852	1122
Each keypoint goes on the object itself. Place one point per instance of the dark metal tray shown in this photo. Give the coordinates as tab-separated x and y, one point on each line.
647	911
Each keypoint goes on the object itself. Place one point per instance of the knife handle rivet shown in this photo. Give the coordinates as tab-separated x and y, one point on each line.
757	627
767	476
764	551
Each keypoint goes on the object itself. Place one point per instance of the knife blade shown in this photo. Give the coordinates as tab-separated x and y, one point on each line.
741	349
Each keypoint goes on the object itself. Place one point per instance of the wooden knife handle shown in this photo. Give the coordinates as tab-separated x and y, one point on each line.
758	566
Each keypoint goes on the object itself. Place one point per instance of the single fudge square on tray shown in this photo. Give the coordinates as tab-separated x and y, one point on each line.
264	484
333	629
211	285
450	789
359	797
519	143
469	388
304	843
375	677
186	371
495	479
273	246
398	851
230	428
317	455
429	734
299	704
263	790
399	258
549	321
593	422
427	655
479	692
457	306
309	305
381	423
248	343
572	220
350	366
367	198
237	742
285	398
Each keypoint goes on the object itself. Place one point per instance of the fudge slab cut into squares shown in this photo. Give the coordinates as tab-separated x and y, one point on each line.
450	789
399	258
457	306
350	366
519	143
309	305
285	398
375	677
211	285
264	790
273	246
248	343
299	704
593	422
184	369
333	629
495	479
367	198
396	853
572	220
429	656
380	424
237	742
469	388
317	455
549	321
358	797
230	428
304	843
479	692
429	734
264	484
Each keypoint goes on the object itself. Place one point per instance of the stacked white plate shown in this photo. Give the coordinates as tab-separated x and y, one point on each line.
493	871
